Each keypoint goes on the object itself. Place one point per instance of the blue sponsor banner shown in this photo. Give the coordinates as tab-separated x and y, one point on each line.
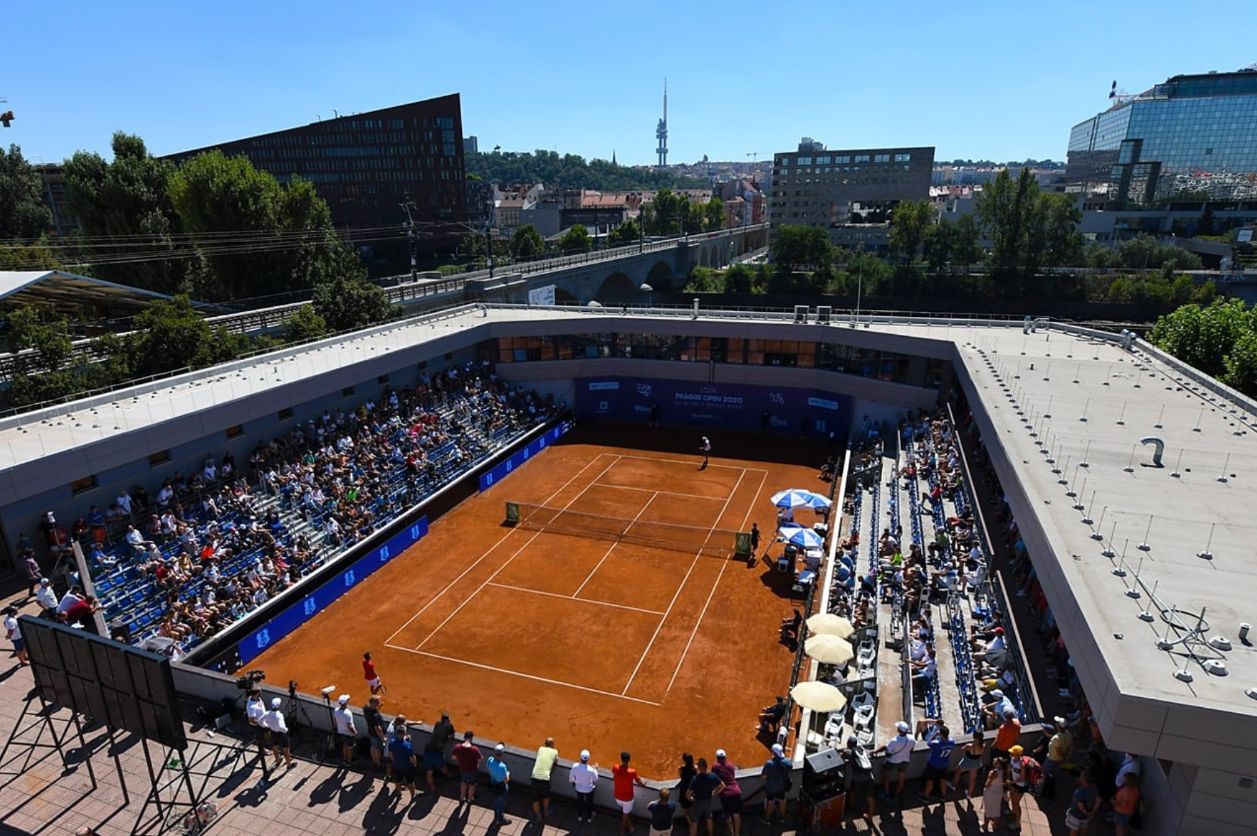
806	412
279	626
506	467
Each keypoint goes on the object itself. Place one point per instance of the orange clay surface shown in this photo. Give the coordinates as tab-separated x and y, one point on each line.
521	635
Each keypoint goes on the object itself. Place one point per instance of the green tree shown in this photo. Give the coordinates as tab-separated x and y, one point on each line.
127	199
1140	253
714	212
908	225
937	247
575	239
1240	364
346	302
1203	337
869	274
667	215
290	241
797	247
172	334
527	242
629	232
305	324
966	247
42	368
1059	219
1100	256
36	256
704	280
739	279
23	214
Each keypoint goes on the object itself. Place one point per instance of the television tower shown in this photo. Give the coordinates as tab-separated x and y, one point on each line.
661	132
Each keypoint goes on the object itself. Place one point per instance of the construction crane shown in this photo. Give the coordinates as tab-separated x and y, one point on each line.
754	155
1118	96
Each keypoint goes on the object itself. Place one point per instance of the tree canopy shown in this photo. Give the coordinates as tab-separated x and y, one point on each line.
1029	229
527	242
23	214
571	171
575	239
798	247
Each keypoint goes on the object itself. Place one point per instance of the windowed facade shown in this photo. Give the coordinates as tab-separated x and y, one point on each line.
364	165
801	354
838	188
1191	138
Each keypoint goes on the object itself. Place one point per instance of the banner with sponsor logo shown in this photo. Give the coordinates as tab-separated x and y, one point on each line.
732	406
279	626
541	295
506	467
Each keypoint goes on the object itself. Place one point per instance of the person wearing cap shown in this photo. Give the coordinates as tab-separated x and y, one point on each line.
277	729
46	598
1023	773
542	767
776	776
624	778
345	731
1060	747
584	778
898	755
434	749
499	783
731	796
999	706
467	756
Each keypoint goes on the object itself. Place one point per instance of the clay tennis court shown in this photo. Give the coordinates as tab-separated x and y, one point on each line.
521	634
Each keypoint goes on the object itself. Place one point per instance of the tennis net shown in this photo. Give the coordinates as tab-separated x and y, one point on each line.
718	542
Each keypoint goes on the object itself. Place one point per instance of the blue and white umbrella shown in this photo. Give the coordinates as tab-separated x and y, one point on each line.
800	536
800	498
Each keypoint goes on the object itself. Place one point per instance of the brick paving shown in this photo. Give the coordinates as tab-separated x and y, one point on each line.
311	798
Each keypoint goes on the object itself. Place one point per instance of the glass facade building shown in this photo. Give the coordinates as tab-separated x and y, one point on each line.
1191	138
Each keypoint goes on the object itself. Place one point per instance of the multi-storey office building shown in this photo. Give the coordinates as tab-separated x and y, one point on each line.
816	187
1192	138
367	164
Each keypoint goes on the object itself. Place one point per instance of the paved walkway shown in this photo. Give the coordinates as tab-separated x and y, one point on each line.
311	798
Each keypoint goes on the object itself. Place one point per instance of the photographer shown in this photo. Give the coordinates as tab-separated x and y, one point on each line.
274	723
254	708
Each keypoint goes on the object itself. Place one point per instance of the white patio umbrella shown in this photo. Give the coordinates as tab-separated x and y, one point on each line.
829	624
800	498
818	696
800	536
829	649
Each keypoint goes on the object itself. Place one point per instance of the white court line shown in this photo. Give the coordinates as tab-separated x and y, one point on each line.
677	594
498	571
607	553
695	463
665	493
489	551
573	598
712	594
517	673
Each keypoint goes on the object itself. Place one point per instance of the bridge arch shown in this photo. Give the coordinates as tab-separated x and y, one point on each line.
617	288
660	276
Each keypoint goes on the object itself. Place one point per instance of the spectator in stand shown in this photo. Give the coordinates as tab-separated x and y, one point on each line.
1126	804
277	727
731	796
434	749
993	795
1082	806
46	598
584	778
685	775
661	811
542	768
971	757
80	614
499	783
402	753
776	777
345	730
858	776
33	573
1059	749
705	787
939	762
467	756
13	632
898	754
625	778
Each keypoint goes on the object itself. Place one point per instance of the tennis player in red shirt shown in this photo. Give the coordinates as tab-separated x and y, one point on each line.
372	677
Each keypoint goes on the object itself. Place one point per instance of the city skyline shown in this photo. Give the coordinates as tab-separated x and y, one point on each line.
981	84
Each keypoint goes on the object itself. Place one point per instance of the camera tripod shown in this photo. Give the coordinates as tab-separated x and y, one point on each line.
299	720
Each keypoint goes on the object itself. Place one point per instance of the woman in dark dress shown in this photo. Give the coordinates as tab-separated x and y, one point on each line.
686	773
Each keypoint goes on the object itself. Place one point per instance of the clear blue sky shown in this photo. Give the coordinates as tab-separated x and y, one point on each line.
983	79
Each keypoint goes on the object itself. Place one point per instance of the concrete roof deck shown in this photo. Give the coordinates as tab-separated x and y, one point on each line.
1075	374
